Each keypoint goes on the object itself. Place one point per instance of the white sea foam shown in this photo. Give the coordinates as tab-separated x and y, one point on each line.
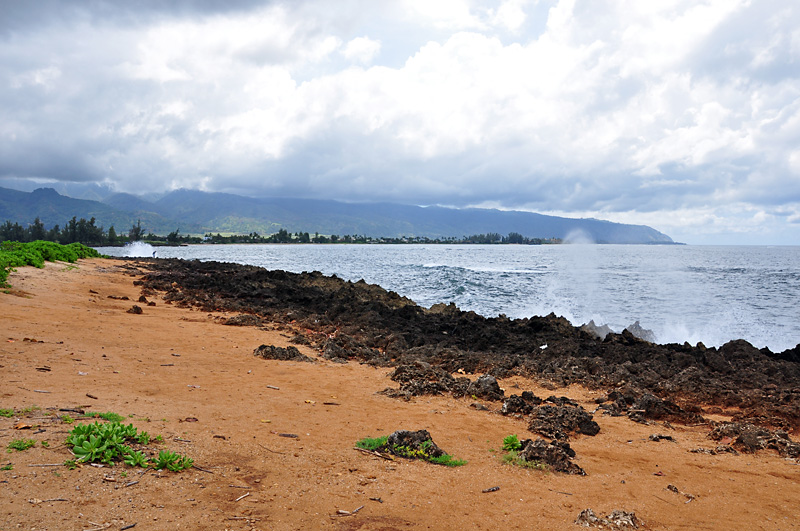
138	250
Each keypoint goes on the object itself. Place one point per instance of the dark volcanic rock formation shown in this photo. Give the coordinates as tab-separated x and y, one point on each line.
556	454
271	352
374	326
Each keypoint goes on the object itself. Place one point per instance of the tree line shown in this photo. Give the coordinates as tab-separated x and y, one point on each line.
88	233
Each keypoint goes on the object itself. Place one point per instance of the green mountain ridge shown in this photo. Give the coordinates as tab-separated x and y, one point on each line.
196	212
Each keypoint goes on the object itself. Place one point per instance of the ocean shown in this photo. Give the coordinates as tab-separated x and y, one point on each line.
708	294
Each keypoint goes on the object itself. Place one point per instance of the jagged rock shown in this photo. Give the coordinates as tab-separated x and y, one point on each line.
650	407
600	332
557	422
642	333
393	330
520	405
486	386
137	310
271	352
750	438
556	454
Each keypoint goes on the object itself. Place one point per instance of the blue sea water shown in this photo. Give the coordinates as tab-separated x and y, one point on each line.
711	294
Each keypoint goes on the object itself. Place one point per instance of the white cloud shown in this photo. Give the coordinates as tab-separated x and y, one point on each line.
622	109
511	14
362	50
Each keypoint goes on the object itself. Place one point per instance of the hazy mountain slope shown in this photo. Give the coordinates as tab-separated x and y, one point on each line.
192	211
386	219
55	209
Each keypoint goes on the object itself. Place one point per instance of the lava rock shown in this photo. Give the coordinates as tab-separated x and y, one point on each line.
271	352
555	454
557	422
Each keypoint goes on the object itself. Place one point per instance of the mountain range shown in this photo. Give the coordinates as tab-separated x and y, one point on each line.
197	212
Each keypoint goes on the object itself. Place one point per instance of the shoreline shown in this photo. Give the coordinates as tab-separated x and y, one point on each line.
177	361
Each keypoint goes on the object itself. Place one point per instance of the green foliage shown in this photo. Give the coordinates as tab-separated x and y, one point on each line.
511	443
71	464
370	443
512	446
108	443
9	466
8	413
423	452
135	458
172	461
143	438
36	253
21	445
109	416
447	460
67	419
513	458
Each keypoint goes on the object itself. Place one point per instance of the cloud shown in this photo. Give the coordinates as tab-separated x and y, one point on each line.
630	110
362	49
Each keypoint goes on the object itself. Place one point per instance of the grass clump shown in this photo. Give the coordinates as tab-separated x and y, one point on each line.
21	445
109	443
372	443
7	413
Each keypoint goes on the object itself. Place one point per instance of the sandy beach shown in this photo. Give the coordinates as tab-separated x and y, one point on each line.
68	342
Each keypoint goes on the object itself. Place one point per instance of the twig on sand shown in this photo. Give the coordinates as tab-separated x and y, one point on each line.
560	492
273	387
130	526
202	469
375	453
97	527
663	500
273	451
49	464
243	496
248	518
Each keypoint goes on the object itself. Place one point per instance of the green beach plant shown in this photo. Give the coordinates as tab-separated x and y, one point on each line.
21	445
109	443
172	461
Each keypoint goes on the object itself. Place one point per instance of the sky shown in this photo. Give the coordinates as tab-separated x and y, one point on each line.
679	114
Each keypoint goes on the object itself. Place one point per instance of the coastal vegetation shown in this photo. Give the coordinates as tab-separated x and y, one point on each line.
88	233
111	442
18	254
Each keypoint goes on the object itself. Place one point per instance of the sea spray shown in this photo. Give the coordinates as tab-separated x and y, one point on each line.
138	250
